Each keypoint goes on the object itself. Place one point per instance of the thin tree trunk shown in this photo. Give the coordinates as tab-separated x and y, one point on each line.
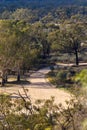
48	50
77	59
44	51
6	78
44	54
18	77
3	78
3	82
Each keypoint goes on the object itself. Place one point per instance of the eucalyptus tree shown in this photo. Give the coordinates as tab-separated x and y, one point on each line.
14	47
68	39
24	14
39	36
7	51
25	55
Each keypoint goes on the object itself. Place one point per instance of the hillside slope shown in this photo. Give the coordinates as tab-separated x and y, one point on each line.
13	4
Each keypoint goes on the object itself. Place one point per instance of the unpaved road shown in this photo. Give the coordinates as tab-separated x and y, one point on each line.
39	88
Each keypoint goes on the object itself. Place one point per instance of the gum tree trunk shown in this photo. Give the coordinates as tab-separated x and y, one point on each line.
77	59
3	78
18	76
3	82
6	78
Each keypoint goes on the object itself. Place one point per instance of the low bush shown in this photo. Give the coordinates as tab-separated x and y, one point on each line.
81	77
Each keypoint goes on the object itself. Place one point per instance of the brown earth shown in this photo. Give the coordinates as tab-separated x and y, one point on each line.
39	88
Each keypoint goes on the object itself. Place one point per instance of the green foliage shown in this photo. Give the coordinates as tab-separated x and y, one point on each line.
20	45
82	77
48	128
61	76
21	114
46	11
68	38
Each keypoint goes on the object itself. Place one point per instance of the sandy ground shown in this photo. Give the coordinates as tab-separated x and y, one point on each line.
39	88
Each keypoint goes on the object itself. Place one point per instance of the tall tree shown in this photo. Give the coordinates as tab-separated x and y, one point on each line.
7	51
68	39
39	37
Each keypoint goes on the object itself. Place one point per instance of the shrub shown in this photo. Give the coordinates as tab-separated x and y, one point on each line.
61	76
82	77
48	128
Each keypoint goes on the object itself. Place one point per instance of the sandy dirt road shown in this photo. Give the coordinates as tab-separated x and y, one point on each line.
39	88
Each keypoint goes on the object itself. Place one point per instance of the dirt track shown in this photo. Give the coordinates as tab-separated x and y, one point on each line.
39	88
